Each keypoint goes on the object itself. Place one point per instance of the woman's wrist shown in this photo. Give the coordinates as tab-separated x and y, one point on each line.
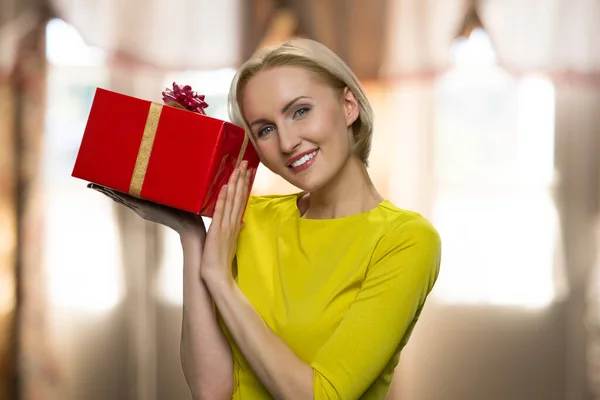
191	234
215	279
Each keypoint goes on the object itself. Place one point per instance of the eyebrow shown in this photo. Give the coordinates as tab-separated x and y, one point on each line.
283	110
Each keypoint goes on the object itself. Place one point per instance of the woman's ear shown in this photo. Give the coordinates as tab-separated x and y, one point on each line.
351	108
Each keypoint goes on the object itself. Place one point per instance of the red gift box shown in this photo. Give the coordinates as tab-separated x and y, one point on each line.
160	153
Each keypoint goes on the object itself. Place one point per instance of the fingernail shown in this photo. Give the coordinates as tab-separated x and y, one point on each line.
245	164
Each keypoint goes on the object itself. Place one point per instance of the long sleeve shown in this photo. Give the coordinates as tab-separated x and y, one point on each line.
402	272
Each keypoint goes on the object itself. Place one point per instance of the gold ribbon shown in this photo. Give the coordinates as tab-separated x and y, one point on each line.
242	150
143	156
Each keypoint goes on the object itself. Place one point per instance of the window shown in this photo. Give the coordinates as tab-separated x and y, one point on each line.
494	169
82	255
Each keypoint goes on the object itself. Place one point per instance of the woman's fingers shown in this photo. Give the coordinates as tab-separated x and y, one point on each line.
247	185
238	201
126	199
231	189
244	196
117	197
219	208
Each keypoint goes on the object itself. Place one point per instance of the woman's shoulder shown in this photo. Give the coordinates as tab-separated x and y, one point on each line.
406	223
409	238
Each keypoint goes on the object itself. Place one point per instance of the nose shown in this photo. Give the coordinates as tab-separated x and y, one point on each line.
288	141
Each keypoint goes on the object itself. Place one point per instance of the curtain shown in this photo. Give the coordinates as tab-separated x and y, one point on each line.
167	35
355	30
547	35
8	238
25	360
18	18
35	364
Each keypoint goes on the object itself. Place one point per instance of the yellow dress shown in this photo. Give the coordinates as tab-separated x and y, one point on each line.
344	293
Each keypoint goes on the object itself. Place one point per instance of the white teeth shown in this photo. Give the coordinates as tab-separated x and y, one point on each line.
304	159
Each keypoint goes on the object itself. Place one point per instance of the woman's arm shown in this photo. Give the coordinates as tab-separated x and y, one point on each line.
282	373
205	353
279	369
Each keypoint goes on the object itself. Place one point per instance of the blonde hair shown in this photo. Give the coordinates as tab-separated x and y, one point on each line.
316	58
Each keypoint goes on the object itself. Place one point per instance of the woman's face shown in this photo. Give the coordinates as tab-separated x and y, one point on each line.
300	125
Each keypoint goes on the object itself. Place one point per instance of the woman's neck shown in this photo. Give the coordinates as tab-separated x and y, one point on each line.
350	192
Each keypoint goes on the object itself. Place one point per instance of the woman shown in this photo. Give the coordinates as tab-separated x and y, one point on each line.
319	291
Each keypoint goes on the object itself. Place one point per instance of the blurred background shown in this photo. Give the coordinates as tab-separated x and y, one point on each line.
487	122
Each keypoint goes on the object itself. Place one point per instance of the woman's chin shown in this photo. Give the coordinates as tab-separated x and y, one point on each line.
308	184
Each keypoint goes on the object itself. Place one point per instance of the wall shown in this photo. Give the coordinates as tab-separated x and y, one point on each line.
491	353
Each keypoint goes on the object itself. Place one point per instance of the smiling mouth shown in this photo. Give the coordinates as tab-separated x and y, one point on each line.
303	160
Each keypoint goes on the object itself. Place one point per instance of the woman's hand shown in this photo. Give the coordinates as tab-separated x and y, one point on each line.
221	240
180	221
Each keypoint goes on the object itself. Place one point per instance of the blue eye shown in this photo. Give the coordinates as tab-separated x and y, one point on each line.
301	111
265	131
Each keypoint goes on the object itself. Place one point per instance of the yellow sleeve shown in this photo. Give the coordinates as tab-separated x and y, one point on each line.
403	271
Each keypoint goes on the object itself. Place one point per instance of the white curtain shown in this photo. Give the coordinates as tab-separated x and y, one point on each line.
555	35
172	35
548	35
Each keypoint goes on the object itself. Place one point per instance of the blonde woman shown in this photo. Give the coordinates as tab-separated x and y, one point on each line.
315	296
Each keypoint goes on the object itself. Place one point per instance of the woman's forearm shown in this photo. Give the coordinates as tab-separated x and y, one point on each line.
283	374
205	353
